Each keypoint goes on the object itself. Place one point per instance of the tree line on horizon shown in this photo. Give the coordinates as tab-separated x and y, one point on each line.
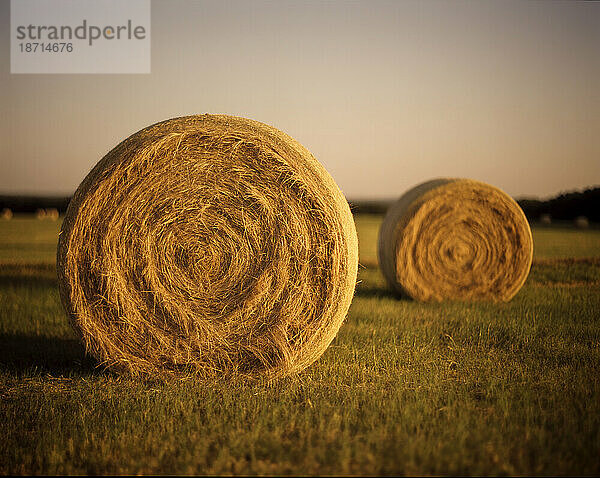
563	207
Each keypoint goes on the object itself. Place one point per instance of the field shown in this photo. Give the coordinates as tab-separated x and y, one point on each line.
405	388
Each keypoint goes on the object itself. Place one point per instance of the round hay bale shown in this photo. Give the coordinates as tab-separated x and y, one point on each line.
40	213
208	244
52	214
455	239
546	219
6	214
582	222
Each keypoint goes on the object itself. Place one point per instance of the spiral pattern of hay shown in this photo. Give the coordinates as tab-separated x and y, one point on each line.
208	244
455	239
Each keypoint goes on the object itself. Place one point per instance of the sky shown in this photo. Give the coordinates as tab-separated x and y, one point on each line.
386	95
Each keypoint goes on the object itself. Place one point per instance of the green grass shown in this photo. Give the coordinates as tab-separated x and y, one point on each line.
26	240
406	388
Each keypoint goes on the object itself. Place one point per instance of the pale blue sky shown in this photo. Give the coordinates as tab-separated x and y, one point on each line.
384	94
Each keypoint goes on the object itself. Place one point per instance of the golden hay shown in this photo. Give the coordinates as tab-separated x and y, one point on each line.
208	244
455	239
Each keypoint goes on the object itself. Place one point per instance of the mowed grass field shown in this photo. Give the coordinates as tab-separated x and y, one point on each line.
405	388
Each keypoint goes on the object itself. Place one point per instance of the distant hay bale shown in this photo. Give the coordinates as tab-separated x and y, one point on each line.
40	214
582	222
6	214
208	244
546	219
52	214
455	239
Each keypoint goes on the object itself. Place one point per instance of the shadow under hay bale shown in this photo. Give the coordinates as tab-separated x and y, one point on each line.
22	353
455	239
208	244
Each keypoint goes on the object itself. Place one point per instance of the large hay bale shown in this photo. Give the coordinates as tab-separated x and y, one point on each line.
455	239
208	244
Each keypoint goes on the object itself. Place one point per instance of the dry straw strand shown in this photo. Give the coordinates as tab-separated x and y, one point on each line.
455	239
208	244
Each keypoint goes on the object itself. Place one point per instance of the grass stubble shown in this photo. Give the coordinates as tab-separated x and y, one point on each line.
405	387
